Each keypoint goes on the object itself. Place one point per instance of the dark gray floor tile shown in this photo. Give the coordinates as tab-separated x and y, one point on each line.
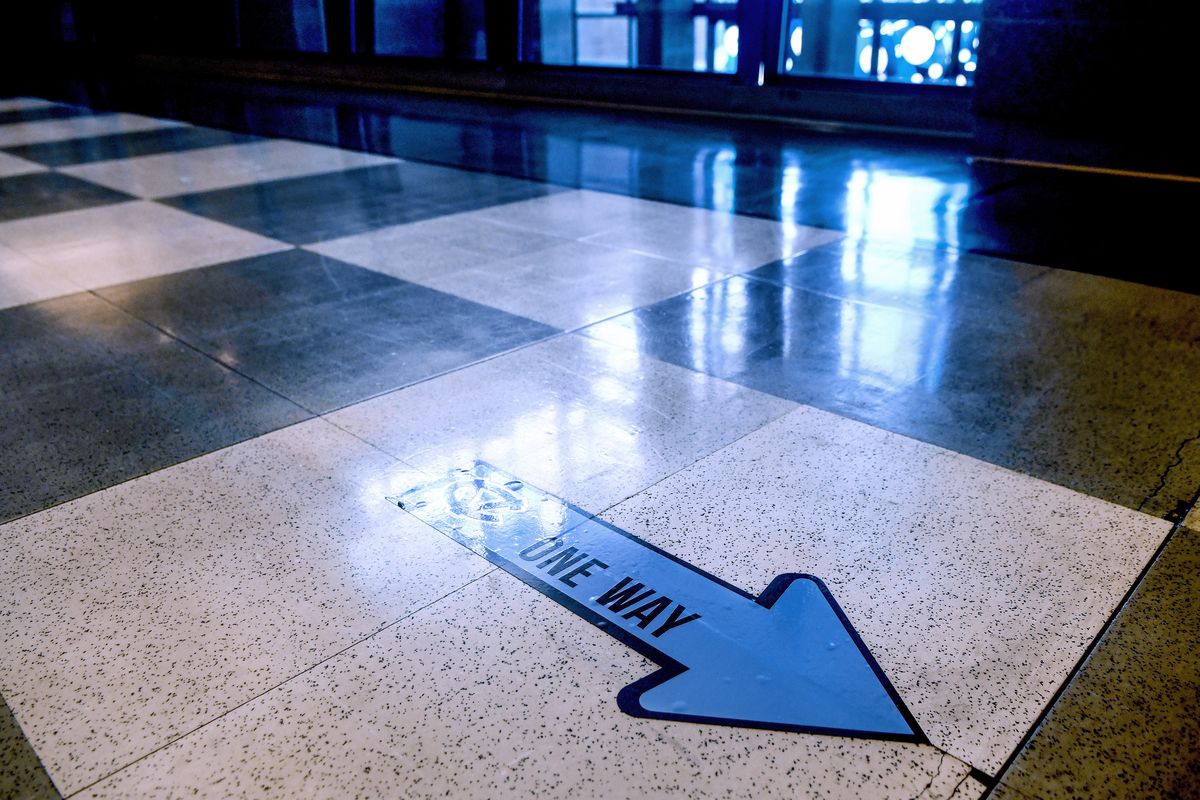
321	207
1128	723
46	112
48	193
1124	399
789	342
322	332
940	282
1070	382
90	397
201	305
126	145
22	776
1097	408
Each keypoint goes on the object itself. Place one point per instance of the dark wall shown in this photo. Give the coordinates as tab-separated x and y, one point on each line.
1103	82
1106	82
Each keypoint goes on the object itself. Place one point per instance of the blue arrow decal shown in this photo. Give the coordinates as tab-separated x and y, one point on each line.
786	660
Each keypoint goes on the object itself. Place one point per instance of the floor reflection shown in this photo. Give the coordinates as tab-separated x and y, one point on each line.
884	187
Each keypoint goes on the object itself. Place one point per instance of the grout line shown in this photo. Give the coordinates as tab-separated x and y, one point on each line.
559	334
312	414
39	767
324	415
197	350
1091	648
981	776
287	680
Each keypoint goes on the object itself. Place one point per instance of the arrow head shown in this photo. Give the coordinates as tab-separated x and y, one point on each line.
808	671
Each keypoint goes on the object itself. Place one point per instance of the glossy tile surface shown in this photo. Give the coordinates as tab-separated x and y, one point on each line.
796	344
23	280
1127	724
1045	373
313	209
321	332
39	193
714	239
572	214
200	581
209	168
585	421
884	187
52	130
441	246
12	115
93	397
127	241
13	165
16	103
449	703
574	284
127	145
942	563
264	559
945	282
720	241
554	280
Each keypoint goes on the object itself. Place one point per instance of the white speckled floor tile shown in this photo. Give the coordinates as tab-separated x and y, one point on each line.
572	284
976	588
587	421
418	251
13	165
497	692
53	130
573	214
719	241
723	242
133	615
127	241
24	281
210	168
727	243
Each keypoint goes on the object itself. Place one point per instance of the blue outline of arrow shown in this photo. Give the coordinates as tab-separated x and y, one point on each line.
629	699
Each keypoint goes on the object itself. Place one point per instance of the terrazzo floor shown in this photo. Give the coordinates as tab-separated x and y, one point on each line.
225	353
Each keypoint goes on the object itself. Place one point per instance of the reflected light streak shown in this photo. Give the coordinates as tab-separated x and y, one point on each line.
866	270
724	187
903	208
879	346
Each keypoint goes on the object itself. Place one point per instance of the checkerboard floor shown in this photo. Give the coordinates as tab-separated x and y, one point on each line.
222	354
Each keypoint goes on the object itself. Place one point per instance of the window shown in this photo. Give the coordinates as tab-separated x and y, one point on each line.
685	35
271	25
431	29
887	40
